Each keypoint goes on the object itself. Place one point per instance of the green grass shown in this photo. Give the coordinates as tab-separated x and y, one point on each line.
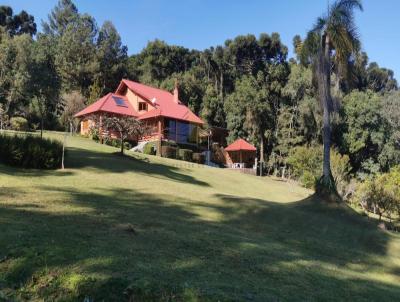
143	228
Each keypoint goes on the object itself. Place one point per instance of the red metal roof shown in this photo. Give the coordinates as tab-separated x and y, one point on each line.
165	105
108	104
240	144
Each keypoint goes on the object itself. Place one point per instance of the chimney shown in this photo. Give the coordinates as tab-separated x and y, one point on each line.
176	92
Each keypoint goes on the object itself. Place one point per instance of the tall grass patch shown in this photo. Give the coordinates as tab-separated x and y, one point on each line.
29	151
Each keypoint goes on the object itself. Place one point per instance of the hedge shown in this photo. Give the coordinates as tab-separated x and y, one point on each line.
30	152
185	154
149	149
199	158
169	152
170	144
117	143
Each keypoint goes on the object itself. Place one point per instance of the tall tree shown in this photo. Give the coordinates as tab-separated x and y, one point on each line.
333	34
15	62
158	60
380	79
191	88
111	55
64	13
390	155
73	102
76	54
250	111
23	23
45	83
3	117
367	131
213	108
297	121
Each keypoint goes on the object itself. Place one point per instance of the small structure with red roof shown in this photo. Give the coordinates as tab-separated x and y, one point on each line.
240	154
161	111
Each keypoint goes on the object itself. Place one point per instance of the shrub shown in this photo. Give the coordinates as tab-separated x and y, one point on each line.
169	152
308	179
194	148
110	142
128	145
340	166
306	165
19	123
117	143
170	144
30	152
381	195
96	138
199	158
150	149
185	154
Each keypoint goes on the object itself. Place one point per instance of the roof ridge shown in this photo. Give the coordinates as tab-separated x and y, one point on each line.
105	99
151	87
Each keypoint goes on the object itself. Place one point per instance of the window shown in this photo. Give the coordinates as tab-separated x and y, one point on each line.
181	132
170	129
142	106
120	102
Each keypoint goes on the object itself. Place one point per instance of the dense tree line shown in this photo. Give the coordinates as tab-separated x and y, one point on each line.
72	55
247	85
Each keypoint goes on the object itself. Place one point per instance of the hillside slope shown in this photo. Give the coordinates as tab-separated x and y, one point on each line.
144	228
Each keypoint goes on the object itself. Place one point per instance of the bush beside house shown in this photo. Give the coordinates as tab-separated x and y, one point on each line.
185	154
198	158
169	152
117	143
150	148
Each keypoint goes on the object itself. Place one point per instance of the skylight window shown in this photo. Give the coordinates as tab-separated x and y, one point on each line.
120	102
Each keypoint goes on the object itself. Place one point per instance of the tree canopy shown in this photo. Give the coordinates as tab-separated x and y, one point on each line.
19	24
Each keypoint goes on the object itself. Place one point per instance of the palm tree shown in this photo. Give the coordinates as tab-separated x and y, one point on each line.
333	38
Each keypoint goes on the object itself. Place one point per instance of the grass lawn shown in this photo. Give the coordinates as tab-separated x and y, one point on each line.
142	228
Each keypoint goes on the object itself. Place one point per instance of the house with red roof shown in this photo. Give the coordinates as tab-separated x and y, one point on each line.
161	111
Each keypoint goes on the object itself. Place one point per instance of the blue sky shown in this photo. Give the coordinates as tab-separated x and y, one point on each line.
202	23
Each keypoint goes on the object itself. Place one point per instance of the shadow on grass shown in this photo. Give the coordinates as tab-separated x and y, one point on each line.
115	163
258	251
9	170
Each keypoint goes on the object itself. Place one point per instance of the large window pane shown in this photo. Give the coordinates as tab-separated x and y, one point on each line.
181	132
170	129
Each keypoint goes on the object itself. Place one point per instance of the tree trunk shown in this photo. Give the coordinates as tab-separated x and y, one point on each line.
41	127
221	86
122	144
261	154
326	105
261	149
326	185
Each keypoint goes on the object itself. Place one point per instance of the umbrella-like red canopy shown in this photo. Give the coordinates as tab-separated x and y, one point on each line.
240	145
